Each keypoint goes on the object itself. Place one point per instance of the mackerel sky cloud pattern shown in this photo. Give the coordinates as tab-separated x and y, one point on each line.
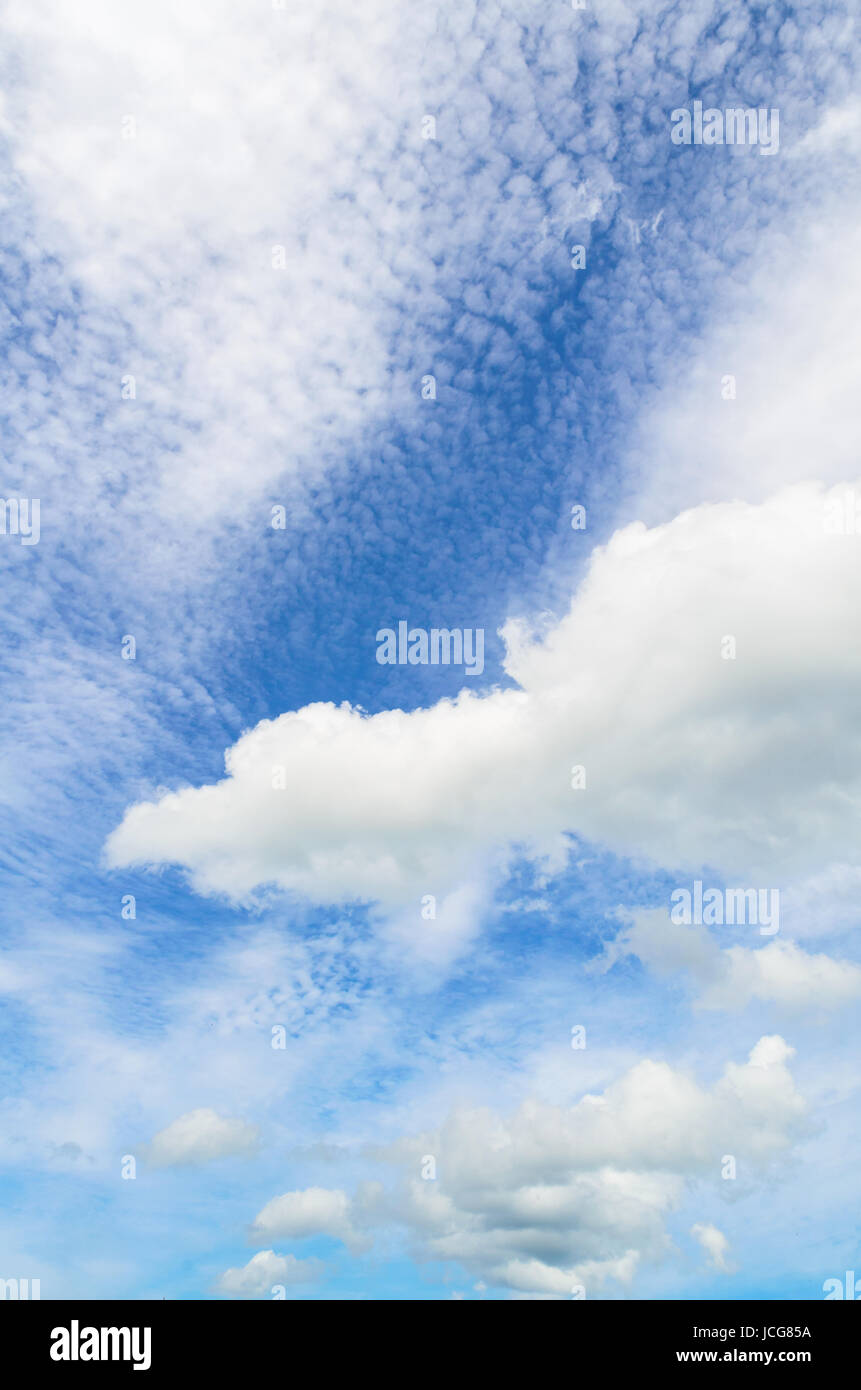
359	977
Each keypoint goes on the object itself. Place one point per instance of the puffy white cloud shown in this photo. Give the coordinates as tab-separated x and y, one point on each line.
314	1211
785	973
690	758
715	1244
199	1137
265	1269
731	977
550	1197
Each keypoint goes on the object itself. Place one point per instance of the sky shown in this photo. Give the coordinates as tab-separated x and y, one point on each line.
327	977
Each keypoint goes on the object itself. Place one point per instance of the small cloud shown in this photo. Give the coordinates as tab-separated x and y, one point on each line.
199	1137
716	1246
69	1154
313	1211
321	1152
266	1270
730	978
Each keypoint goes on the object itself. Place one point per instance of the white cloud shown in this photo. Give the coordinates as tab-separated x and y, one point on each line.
265	1269
731	977
715	1244
548	1197
838	131
199	1137
250	134
786	974
166	154
315	1211
794	413
437	932
686	753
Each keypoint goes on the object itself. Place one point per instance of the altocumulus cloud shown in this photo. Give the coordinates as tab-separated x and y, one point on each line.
171	176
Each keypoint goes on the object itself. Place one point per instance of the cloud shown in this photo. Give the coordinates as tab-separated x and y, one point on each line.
156	157
448	928
731	977
786	974
685	752
315	1211
200	143
153	255
199	1137
551	1197
715	1244
265	1269
159	156
760	401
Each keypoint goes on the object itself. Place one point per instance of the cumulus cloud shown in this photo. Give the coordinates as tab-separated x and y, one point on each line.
715	1244
549	1198
314	1211
265	1270
685	752
730	977
785	973
199	1137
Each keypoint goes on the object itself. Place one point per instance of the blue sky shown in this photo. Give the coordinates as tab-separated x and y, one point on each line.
159	171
